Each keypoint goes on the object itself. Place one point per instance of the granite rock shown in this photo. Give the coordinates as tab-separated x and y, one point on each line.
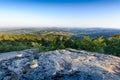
66	64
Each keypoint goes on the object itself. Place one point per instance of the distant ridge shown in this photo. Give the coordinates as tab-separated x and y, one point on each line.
78	32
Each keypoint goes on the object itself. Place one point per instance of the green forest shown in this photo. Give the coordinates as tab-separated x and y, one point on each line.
106	45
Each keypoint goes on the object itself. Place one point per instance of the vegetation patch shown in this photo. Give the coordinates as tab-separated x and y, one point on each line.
53	41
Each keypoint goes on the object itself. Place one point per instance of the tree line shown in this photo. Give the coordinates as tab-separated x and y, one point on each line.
106	45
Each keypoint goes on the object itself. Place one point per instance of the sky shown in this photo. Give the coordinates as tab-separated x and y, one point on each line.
60	13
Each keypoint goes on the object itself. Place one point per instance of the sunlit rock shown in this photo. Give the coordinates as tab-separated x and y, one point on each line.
67	64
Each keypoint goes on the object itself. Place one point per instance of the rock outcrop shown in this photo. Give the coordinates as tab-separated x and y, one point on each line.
67	64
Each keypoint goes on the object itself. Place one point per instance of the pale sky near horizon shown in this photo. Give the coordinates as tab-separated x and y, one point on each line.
60	13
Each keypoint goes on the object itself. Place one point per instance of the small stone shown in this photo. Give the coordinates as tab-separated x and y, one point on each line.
34	64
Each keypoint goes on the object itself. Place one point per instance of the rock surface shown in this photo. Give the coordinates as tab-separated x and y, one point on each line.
67	64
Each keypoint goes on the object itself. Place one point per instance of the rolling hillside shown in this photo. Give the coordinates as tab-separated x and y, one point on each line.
75	32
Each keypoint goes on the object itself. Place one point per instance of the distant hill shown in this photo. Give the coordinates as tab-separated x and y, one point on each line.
18	31
31	30
78	32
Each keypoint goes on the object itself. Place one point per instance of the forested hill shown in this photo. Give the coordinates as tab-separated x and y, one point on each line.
32	30
94	32
49	39
77	32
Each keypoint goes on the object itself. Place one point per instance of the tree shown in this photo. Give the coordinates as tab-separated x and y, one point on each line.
86	43
113	46
61	46
99	44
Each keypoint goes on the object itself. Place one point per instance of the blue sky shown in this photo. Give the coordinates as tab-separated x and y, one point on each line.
60	13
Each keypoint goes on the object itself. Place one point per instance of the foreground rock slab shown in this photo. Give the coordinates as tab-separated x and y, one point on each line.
67	64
